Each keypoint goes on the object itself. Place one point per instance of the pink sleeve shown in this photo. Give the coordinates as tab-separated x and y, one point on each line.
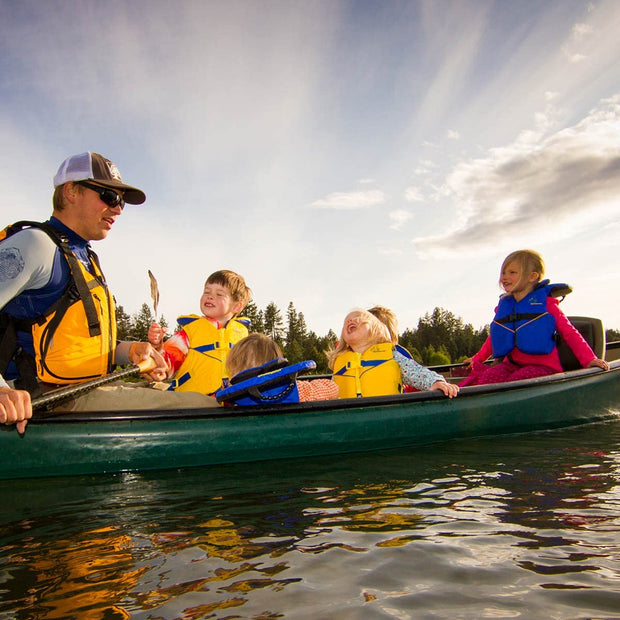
485	351
571	336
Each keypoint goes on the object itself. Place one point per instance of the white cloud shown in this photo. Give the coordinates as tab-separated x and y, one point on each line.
453	134
574	57
399	218
580	31
537	183
414	194
351	200
424	167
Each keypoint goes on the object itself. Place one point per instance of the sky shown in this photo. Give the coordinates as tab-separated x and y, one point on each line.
335	153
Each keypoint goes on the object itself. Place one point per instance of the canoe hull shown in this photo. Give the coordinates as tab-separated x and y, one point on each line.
120	441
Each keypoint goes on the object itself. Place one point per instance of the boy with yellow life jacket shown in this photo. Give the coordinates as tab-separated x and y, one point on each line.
196	354
366	363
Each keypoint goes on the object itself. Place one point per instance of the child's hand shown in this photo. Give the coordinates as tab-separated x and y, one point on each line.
449	389
156	335
600	363
468	363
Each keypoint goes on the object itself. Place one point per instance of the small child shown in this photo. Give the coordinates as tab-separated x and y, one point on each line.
258	349
196	354
522	332
388	318
365	362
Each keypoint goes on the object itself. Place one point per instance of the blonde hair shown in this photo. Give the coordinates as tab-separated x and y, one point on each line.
253	350
528	260
387	317
377	333
235	283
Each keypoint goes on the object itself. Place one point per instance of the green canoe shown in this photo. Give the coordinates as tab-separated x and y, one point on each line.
89	443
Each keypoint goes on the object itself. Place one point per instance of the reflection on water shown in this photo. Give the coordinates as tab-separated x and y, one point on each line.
526	526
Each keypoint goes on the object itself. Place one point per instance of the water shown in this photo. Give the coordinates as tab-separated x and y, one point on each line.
517	527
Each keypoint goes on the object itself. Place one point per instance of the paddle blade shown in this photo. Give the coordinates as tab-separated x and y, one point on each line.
154	292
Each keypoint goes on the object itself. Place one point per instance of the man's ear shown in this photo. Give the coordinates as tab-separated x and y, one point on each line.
70	191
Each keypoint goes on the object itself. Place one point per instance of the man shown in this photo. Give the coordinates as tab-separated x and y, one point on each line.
57	315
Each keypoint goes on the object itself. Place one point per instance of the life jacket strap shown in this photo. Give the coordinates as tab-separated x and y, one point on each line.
180	381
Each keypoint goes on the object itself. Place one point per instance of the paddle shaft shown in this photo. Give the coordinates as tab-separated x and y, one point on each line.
71	391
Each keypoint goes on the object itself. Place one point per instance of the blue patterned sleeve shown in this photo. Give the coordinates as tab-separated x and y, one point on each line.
415	374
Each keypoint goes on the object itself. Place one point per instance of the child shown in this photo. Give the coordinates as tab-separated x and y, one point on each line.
365	362
522	332
257	349
388	318
196	354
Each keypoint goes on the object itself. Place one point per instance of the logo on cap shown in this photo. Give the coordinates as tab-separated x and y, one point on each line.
114	172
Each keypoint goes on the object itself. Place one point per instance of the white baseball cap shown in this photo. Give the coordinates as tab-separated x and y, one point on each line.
94	167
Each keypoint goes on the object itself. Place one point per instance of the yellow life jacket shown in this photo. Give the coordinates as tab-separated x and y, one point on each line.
204	368
75	338
372	373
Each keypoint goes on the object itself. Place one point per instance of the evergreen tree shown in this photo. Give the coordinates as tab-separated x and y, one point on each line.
292	333
273	322
416	355
315	348
123	324
255	316
295	335
142	322
612	335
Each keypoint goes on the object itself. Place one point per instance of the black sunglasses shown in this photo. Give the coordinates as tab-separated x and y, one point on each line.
107	195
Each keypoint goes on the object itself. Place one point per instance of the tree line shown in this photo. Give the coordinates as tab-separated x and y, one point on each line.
440	337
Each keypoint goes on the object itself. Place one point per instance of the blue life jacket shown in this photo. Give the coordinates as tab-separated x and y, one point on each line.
271	383
526	324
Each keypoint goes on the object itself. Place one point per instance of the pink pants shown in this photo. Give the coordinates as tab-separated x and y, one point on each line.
503	372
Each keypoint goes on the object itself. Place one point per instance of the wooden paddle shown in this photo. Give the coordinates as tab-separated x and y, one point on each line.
154	292
64	393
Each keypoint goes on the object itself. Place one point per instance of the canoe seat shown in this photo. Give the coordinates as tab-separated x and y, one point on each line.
594	334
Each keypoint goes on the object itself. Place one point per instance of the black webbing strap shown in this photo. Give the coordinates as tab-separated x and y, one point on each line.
519	316
94	328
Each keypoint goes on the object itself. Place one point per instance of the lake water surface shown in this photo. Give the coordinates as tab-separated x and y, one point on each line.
524	526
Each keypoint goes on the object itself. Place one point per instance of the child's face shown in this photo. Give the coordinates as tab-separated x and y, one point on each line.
356	330
514	282
217	303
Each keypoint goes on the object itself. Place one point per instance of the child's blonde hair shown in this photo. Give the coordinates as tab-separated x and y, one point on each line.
388	317
377	332
235	283
253	350
528	260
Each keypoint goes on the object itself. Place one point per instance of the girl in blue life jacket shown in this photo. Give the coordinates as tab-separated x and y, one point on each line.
523	330
366	363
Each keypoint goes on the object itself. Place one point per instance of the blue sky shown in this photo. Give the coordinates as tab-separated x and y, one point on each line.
335	153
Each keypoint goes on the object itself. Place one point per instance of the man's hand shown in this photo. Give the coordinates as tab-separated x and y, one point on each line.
15	408
141	351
